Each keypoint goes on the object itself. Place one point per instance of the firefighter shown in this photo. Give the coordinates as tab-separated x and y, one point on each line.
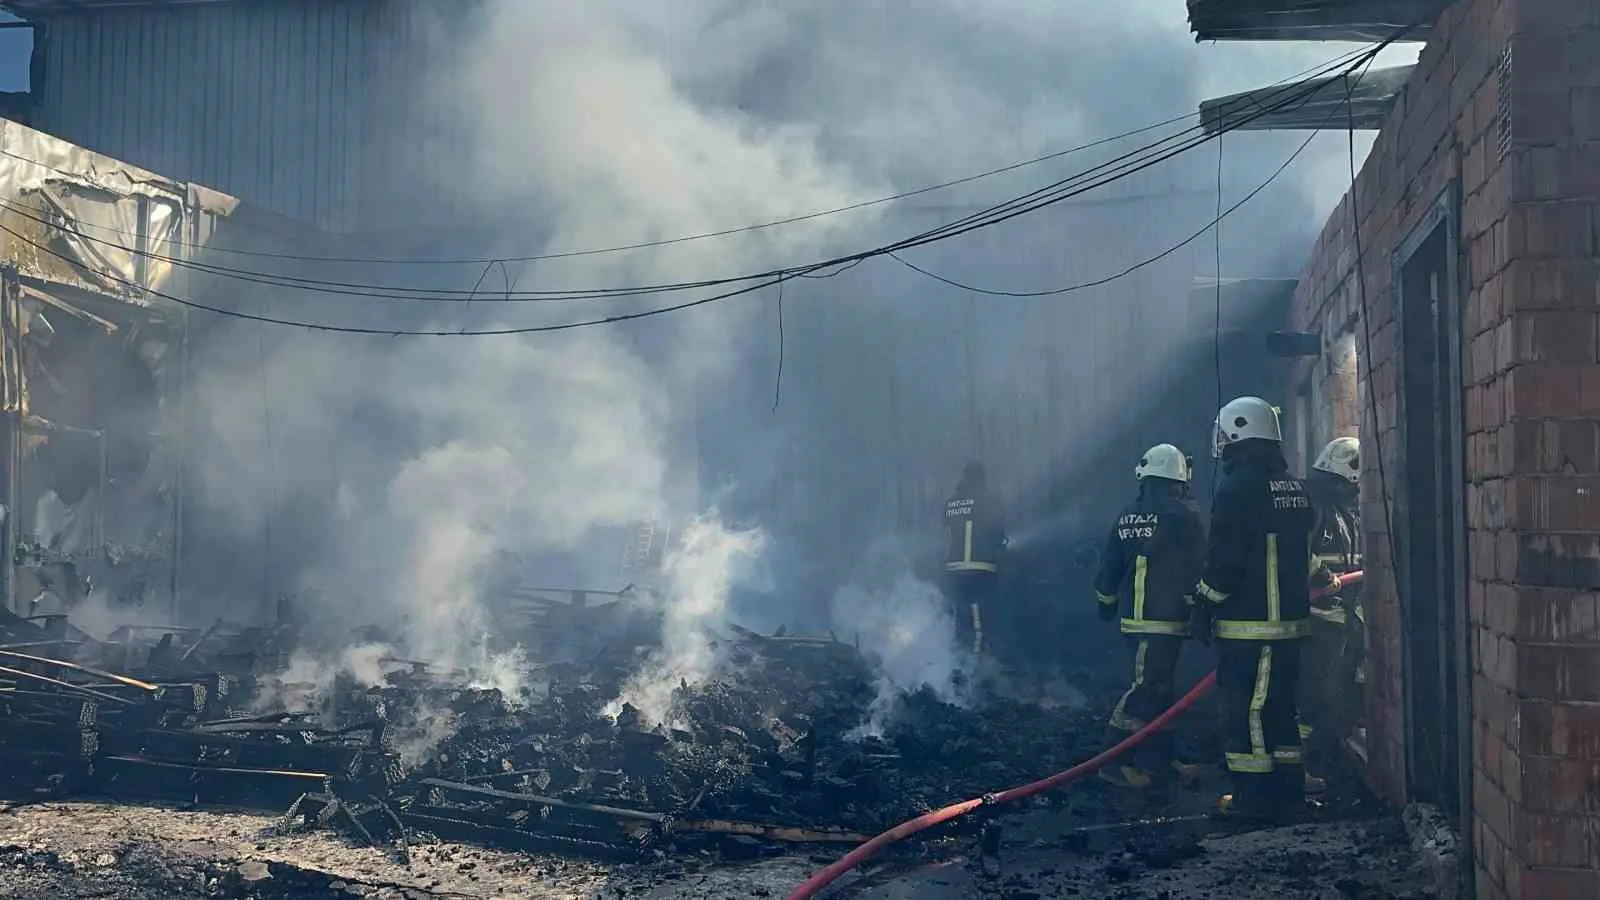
975	540
1254	597
1335	488
1151	563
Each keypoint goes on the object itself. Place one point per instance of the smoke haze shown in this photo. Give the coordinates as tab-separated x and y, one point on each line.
386	477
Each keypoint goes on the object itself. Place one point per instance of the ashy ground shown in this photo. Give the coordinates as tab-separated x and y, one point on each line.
77	851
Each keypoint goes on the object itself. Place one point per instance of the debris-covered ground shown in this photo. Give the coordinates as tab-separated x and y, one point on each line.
395	779
88	850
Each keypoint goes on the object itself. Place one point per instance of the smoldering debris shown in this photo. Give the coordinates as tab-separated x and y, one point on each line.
765	753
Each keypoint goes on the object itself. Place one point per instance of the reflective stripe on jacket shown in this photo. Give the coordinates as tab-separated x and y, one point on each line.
1152	558
1258	558
975	534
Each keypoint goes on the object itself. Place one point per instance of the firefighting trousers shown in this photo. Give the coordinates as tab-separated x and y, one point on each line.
1151	691
1259	686
969	594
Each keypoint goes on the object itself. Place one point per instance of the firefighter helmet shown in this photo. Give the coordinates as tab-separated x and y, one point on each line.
1243	419
1342	457
1163	461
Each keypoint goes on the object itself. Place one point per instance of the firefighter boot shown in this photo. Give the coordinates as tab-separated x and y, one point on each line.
1289	790
1251	800
1125	776
1189	774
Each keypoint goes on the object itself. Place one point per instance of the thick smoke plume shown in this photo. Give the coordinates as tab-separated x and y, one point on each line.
839	417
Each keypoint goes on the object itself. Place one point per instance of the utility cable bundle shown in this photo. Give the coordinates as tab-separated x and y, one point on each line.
1055	192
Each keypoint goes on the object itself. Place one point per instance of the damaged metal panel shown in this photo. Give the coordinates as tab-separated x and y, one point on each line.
1311	20
88	244
1318	103
86	221
286	105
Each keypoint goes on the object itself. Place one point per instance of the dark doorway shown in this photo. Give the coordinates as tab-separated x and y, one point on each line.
1432	522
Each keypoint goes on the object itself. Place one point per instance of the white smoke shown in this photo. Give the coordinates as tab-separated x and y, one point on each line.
611	123
308	683
707	563
906	629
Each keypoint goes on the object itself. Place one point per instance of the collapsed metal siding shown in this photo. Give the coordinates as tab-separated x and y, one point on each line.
282	104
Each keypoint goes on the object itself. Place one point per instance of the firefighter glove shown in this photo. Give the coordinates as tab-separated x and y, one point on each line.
1106	611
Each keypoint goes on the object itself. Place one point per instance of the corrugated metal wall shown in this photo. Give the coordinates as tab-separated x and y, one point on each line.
290	104
890	381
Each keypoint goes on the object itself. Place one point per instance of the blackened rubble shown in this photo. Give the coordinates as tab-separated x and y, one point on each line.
768	755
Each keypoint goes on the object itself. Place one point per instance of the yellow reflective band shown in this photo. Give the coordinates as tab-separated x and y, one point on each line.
1361	614
1250	763
971	567
1258	702
1289	756
966	543
1121	721
1141	569
1274	601
1305	732
1119	716
977	630
1262	631
1211	593
1154	626
1107	599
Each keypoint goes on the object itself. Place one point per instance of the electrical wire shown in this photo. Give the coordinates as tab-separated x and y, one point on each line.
1221	214
1118	167
1003	212
642	245
1214	226
1216	333
777	383
779	276
1080	182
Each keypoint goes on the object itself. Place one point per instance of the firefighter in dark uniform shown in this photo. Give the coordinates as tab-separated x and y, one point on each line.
975	539
1334	486
1255	598
1151	562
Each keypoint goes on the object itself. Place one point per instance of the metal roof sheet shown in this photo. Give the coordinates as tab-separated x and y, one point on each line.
1311	20
54	7
1324	103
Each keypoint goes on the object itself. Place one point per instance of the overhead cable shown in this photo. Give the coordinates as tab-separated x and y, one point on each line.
1214	224
1073	185
681	239
1031	202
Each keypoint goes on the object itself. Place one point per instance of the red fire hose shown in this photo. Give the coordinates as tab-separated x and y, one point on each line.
925	821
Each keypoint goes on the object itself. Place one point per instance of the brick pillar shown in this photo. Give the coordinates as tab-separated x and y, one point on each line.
1536	472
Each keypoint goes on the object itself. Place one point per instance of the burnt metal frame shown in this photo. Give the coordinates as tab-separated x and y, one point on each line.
11	429
1451	570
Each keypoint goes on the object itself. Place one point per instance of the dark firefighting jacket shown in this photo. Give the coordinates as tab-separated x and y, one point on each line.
1258	569
1337	539
1152	559
1336	545
975	532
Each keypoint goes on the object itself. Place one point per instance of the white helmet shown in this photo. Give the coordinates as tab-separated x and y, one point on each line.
1342	457
1243	419
1163	461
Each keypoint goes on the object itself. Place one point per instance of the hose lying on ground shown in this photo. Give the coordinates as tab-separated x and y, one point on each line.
925	821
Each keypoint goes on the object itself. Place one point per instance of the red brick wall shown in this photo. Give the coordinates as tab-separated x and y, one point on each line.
1528	165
